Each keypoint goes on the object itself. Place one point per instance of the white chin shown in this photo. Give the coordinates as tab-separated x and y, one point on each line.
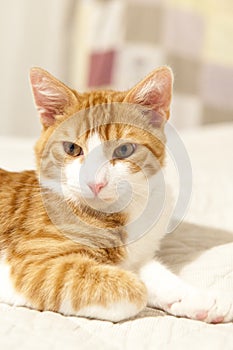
101	203
105	202
100	200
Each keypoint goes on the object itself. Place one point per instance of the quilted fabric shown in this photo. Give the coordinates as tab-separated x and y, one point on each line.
126	39
200	251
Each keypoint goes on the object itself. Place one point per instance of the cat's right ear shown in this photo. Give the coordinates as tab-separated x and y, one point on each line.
52	97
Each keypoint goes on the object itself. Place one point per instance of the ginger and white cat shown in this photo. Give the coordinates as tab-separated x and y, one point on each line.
80	234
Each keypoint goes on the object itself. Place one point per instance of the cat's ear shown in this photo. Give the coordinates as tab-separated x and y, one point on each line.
52	97
155	93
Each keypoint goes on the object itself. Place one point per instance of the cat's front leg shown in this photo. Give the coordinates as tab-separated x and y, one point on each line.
169	293
76	285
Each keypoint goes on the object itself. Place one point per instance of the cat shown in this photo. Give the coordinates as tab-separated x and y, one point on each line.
79	235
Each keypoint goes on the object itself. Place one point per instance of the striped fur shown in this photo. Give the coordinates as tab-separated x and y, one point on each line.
76	266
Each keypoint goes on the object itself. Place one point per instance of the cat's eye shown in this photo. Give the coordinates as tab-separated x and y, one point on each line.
72	149
124	151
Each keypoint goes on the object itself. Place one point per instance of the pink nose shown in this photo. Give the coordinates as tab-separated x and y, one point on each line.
97	187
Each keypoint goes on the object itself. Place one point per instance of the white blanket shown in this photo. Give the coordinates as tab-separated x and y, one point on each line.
200	250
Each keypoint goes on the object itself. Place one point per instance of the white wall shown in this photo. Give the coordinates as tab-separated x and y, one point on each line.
32	33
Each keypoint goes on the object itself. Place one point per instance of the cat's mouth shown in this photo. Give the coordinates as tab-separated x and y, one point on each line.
108	199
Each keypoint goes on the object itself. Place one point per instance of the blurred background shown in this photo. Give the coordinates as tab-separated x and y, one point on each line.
114	43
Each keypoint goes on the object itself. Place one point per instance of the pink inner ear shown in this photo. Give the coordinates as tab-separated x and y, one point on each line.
50	96
155	93
47	119
155	119
158	98
158	103
46	112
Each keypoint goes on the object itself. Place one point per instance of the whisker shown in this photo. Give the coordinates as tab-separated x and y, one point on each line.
72	187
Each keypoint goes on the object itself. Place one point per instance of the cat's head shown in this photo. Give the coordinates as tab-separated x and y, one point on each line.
101	145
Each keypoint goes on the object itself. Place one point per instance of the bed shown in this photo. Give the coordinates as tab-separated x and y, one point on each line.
200	250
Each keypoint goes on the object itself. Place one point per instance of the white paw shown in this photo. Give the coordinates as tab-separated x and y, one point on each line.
208	306
114	312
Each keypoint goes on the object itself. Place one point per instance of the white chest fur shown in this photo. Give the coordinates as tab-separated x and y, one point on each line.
145	233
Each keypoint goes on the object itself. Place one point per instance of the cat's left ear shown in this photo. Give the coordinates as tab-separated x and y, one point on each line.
155	93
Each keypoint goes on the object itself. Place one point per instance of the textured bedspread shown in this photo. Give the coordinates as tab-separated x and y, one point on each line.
200	250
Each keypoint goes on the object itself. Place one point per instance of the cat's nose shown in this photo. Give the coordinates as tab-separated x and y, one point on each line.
97	187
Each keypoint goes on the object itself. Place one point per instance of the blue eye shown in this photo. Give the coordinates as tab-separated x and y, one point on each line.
124	151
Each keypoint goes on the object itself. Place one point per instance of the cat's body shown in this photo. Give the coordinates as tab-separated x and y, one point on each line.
75	238
26	244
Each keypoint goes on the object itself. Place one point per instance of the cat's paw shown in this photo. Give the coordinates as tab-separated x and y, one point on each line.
113	312
211	307
117	295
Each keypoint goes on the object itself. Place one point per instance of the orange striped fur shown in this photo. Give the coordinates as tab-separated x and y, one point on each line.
48	268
